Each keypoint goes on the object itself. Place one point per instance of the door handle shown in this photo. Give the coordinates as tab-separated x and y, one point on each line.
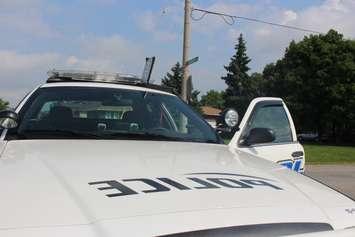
297	154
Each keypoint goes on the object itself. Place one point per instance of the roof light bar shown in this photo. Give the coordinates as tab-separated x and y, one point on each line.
74	75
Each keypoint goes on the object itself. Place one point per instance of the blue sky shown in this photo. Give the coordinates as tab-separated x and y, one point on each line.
116	35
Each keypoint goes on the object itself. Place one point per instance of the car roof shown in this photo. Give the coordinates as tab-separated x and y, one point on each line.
146	88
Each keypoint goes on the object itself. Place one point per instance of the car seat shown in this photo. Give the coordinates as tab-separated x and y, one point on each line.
60	117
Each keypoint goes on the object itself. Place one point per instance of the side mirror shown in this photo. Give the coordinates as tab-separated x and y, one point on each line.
258	136
228	121
8	119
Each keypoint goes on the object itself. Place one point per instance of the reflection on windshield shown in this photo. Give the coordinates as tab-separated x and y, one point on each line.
107	113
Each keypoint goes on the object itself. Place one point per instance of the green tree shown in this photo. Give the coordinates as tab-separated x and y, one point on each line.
242	87
173	80
213	98
3	104
256	85
194	102
316	76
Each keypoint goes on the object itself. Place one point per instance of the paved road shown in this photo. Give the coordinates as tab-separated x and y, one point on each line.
341	177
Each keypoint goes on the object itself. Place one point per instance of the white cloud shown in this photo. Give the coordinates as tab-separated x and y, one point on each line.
209	24
113	53
15	4
20	72
268	43
233	34
29	24
338	5
337	14
262	32
153	23
12	61
104	2
265	44
24	17
212	40
23	71
147	21
288	16
72	60
118	54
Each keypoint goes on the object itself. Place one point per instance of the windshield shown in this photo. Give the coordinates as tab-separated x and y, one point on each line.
110	113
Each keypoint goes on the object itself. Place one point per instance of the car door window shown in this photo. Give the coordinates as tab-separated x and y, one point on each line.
273	117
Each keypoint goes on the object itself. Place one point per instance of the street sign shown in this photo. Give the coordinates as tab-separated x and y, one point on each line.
191	61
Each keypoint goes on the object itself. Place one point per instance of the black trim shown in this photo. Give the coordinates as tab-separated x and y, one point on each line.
293	160
297	154
259	230
271	144
23	99
9	114
133	83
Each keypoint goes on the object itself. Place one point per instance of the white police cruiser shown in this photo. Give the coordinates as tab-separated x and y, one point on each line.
267	130
107	155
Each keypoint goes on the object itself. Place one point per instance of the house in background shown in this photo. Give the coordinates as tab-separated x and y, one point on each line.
211	115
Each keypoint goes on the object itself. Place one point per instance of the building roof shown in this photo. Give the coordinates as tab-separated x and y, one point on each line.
210	111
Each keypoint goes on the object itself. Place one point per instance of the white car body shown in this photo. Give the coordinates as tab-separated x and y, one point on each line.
106	188
289	154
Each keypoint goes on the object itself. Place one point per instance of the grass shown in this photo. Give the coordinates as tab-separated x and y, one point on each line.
321	154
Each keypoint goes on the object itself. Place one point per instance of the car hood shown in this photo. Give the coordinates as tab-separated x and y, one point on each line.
160	186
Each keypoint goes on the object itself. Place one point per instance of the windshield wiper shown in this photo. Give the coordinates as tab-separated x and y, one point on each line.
155	137
144	136
59	132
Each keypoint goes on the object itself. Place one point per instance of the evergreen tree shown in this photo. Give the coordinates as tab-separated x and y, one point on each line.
3	104
173	80
194	102
237	68
239	91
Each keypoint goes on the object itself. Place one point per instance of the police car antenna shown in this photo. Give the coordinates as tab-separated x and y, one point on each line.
148	68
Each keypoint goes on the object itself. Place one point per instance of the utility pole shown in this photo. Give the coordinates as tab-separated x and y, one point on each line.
186	49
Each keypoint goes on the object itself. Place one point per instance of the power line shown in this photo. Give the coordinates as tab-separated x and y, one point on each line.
230	20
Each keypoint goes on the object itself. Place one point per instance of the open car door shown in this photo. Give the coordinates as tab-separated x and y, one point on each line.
267	113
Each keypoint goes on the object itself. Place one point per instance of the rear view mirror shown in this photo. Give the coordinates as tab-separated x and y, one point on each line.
8	119
258	136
